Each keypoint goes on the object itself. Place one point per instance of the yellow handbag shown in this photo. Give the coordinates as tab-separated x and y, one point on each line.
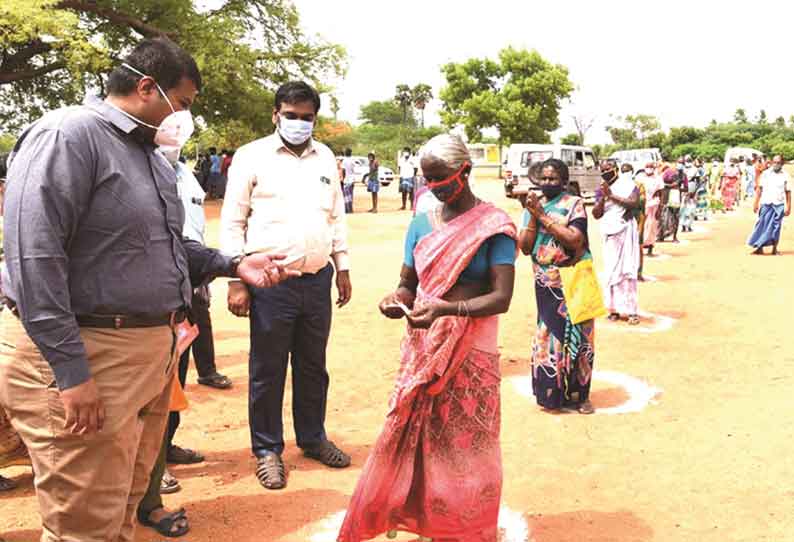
583	294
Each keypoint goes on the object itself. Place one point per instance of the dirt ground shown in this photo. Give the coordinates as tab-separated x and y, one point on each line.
706	460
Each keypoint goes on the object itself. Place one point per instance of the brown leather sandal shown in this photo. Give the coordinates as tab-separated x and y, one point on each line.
328	454
270	471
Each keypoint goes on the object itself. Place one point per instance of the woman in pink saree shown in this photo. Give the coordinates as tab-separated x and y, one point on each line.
436	468
730	185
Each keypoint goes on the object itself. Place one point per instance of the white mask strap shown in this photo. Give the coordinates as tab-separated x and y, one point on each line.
124	64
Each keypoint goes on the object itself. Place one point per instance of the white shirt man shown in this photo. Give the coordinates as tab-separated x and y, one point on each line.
192	196
284	196
772	203
407	167
281	203
774	186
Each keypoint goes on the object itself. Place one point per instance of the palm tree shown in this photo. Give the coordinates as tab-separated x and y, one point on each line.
422	94
335	107
404	99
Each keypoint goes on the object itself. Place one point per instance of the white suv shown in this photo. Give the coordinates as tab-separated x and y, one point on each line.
361	169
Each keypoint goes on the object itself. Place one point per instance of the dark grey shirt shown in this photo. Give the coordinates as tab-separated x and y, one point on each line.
93	225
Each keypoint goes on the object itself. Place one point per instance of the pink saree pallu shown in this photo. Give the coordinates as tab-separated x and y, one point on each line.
436	469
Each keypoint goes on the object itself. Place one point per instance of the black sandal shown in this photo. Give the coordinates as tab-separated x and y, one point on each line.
613	317
183	456
270	471
166	525
328	454
215	380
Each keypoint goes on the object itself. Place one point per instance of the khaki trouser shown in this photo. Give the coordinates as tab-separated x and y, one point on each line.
89	487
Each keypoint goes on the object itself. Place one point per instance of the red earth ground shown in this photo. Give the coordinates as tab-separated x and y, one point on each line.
707	460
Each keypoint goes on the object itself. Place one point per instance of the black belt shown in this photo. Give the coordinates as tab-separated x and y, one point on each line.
118	321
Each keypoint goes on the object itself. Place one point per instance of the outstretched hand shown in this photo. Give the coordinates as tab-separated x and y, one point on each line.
261	270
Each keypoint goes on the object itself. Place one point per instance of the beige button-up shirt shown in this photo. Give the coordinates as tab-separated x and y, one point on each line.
281	203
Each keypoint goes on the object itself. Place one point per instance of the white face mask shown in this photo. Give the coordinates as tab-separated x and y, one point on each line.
295	131
649	171
176	128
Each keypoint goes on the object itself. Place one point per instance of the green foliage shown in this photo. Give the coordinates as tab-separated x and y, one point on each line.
386	112
404	98
636	131
7	142
422	94
56	51
387	140
713	140
784	148
519	94
571	139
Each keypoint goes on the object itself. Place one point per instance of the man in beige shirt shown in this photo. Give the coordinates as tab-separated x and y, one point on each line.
284	195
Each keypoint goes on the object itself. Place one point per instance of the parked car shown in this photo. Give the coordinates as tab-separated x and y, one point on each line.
361	169
638	158
741	152
584	174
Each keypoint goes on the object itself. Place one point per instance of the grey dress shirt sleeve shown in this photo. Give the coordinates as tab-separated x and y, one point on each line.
204	263
41	217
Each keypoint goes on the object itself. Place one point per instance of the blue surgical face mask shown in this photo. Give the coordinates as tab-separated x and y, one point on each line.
295	131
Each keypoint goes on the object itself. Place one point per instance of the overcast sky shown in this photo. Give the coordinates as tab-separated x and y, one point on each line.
686	62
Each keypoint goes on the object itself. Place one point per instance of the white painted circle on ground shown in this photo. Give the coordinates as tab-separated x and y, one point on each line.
513	527
640	393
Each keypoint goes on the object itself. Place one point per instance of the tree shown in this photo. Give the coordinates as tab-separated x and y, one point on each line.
404	98
572	139
387	112
519	95
335	107
762	117
636	131
582	123
337	135
422	94
53	52
740	116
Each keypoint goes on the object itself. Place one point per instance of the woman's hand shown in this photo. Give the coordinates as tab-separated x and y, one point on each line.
533	205
390	305
423	317
606	191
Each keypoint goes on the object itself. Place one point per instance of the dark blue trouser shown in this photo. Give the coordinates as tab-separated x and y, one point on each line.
291	320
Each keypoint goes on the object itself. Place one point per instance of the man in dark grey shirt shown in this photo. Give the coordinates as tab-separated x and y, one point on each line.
97	277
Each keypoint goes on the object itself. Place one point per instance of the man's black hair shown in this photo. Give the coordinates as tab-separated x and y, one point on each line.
159	58
296	92
348	152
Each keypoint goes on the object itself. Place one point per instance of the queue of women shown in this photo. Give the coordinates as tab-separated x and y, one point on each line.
436	468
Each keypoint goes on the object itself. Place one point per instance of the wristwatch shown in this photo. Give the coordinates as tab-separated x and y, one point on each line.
234	263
